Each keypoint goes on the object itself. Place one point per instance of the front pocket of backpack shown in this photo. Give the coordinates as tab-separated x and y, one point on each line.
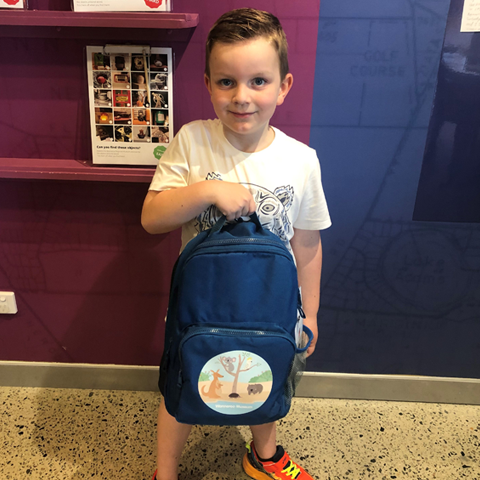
232	376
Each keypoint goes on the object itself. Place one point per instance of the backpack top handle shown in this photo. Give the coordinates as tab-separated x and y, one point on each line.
222	221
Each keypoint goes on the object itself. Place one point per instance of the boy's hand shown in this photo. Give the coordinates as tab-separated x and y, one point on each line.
313	326
232	199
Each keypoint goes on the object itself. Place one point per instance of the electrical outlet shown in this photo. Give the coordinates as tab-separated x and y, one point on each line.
7	303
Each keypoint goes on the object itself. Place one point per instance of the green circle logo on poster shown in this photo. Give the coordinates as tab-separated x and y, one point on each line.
158	152
235	382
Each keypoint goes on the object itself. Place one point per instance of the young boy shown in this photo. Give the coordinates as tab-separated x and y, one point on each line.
236	165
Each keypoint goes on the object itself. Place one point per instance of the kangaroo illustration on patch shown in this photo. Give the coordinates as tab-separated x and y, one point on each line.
272	208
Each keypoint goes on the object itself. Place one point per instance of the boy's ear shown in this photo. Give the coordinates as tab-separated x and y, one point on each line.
285	87
208	84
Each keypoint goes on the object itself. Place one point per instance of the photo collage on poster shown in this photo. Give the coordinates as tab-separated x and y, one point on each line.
131	96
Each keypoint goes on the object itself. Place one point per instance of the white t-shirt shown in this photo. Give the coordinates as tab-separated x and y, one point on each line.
284	178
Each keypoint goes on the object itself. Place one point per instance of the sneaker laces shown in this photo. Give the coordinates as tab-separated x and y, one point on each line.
291	469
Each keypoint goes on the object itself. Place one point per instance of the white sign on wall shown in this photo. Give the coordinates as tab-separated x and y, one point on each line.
131	103
13	4
121	5
471	16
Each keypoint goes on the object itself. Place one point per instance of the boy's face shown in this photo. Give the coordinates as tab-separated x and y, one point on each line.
245	89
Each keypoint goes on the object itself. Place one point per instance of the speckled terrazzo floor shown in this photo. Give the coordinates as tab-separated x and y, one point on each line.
59	434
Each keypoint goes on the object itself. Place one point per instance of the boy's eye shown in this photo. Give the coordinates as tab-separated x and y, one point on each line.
259	82
225	82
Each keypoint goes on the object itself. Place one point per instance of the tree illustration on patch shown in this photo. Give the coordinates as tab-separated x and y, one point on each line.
245	363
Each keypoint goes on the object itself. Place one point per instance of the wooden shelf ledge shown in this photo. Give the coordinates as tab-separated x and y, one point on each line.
51	18
64	169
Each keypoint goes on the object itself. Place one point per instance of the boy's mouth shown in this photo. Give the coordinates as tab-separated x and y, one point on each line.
241	114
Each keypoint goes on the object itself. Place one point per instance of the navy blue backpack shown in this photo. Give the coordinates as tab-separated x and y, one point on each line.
234	324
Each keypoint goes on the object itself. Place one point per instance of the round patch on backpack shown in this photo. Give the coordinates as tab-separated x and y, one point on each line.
235	382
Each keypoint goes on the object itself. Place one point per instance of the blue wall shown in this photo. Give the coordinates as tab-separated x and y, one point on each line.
398	296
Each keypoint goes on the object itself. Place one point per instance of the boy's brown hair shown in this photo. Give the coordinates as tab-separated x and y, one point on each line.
246	24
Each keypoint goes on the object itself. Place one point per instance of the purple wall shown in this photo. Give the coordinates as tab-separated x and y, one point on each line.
91	285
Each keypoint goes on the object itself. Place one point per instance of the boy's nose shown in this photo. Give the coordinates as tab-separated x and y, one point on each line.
241	94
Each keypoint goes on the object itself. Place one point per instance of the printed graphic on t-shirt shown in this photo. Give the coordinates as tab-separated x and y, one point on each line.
272	209
235	382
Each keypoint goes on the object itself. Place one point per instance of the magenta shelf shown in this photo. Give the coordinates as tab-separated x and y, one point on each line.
83	27
49	18
56	169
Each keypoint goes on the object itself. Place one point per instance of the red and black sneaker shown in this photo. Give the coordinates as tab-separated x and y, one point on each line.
280	468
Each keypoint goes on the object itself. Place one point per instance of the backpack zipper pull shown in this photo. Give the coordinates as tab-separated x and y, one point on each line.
299	307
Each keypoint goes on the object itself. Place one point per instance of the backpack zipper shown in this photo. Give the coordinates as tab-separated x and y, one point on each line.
217	246
229	332
243	240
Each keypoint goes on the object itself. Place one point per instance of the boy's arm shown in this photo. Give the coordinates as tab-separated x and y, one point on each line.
307	247
169	209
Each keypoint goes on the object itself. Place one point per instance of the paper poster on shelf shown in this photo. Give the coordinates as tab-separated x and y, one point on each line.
120	5
22	4
131	106
471	16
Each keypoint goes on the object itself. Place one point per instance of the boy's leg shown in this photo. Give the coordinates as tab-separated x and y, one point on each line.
171	438
265	439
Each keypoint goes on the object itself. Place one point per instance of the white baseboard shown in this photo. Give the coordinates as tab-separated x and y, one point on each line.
401	388
81	375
